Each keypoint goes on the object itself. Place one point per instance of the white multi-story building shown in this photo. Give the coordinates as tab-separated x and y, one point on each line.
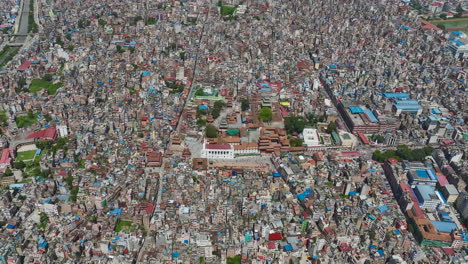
246	149
311	137
217	151
62	131
427	197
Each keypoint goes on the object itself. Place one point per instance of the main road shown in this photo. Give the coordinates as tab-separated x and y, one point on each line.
22	32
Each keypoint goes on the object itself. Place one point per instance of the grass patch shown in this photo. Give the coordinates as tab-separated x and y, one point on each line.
81	164
3	116
26	155
74	193
7	54
227	10
26	180
26	120
124	225
32	26
44	220
39	84
234	260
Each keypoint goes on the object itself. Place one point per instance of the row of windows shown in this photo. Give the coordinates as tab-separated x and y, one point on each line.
218	152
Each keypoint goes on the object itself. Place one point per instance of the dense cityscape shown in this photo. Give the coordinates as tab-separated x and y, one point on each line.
240	131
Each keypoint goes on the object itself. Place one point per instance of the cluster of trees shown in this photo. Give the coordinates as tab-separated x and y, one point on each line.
199	92
403	152
216	111
7	54
377	138
295	142
83	23
176	87
151	21
245	104
416	5
211	131
459	11
3	118
265	114
32	26
60	143
332	126
59	41
296	124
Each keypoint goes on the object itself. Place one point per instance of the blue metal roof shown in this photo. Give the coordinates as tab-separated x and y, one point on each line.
408	107
408	102
444	227
424	192
371	116
397	95
464	236
432	175
383	208
422	173
356	110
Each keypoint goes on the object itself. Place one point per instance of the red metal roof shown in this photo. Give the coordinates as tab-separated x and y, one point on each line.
24	65
449	251
275	236
49	133
271	245
217	146
363	138
442	180
5	156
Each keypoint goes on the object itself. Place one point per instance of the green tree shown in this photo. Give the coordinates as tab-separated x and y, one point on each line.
459	11
245	104
211	131
295	142
102	22
416	5
404	152
47	117
294	124
378	138
428	150
47	77
8	172
441	26
120	49
61	143
137	18
59	41
199	92
331	127
219	104
201	122
265	114
19	165
216	111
